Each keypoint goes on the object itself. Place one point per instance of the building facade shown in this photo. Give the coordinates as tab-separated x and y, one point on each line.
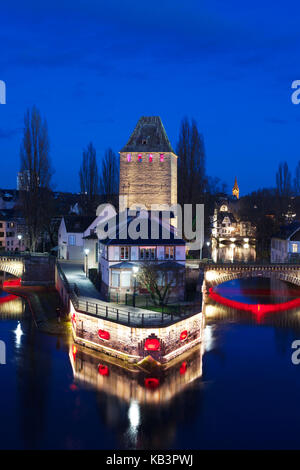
285	245
228	226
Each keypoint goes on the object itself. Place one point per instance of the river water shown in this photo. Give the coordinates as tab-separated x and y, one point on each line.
240	389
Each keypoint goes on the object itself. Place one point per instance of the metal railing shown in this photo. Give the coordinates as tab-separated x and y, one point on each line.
130	316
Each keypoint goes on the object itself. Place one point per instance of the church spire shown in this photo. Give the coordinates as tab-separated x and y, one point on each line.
235	189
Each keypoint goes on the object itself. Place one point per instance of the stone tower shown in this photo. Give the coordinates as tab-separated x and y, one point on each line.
148	167
235	189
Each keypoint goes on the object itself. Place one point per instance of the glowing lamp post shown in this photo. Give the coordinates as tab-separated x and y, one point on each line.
135	270
86	252
20	238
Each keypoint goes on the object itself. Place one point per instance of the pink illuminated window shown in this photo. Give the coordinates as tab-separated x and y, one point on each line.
161	157
150	157
129	157
139	157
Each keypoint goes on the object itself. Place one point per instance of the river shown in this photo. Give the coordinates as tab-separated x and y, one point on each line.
240	389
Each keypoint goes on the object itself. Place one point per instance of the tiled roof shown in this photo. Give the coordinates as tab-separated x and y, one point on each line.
149	135
78	223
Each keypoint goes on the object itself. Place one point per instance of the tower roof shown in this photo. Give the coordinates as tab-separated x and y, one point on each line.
149	135
235	184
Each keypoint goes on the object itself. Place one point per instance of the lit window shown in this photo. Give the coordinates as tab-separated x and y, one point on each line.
115	279
125	278
139	157
169	254
161	157
72	240
295	248
150	157
129	157
124	252
147	253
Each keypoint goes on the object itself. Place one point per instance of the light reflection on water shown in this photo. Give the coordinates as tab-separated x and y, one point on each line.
240	389
232	252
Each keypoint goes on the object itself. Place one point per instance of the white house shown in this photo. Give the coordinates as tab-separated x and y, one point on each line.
121	255
285	245
77	238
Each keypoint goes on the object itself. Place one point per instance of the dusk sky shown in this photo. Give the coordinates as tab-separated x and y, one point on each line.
93	68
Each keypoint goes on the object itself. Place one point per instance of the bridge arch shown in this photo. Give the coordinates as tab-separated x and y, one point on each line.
14	266
217	274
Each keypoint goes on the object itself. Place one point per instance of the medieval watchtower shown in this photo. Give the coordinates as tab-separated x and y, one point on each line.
148	167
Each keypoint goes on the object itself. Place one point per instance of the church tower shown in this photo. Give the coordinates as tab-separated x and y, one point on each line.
235	189
148	167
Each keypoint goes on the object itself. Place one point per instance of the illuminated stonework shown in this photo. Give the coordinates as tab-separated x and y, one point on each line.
132	343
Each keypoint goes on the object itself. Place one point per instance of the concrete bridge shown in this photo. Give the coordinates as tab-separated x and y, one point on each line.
215	274
31	268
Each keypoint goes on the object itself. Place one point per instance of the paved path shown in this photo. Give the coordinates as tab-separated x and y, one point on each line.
75	274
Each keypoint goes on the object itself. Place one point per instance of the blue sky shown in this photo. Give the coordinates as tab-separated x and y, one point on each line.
94	67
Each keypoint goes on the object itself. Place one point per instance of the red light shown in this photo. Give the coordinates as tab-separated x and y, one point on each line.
74	352
129	157
150	157
12	283
103	370
258	309
152	344
161	157
73	318
183	335
7	298
183	368
151	383
140	157
104	334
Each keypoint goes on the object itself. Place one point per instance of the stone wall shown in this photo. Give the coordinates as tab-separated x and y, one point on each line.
38	270
129	342
145	182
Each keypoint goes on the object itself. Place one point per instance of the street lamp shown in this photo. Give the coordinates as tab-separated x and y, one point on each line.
135	270
20	238
86	251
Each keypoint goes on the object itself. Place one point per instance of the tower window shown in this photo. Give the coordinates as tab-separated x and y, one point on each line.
144	142
161	157
150	157
129	157
139	157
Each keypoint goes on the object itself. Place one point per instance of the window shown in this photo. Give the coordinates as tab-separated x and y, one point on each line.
72	240
125	278
139	157
115	279
150	157
170	252
129	157
97	252
161	158
1	234
124	252
294	248
147	253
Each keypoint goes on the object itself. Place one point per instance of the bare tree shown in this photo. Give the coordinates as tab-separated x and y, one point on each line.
297	180
191	163
109	178
158	281
89	180
283	180
35	176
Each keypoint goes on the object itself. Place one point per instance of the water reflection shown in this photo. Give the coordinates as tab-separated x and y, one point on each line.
134	384
232	252
11	307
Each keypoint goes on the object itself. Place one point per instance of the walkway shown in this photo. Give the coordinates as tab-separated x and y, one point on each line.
90	301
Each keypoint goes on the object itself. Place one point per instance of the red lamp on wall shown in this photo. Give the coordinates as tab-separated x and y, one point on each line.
103	370
104	335
183	335
152	344
183	368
